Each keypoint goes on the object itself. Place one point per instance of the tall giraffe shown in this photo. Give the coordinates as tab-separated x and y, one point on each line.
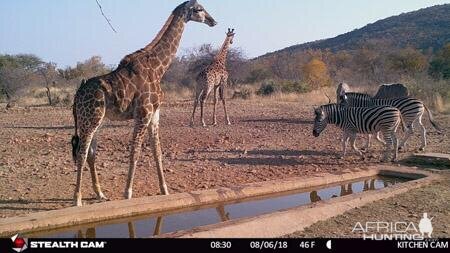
215	76
132	91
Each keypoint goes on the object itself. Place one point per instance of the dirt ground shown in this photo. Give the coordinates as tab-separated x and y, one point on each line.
267	140
407	207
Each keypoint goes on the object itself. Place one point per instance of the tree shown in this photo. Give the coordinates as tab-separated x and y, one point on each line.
409	61
49	74
440	65
316	73
16	73
86	69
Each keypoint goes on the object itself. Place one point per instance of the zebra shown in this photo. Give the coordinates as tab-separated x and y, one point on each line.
395	90
365	120
341	90
411	109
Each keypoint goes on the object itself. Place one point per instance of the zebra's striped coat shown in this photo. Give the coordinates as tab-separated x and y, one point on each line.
369	120
411	110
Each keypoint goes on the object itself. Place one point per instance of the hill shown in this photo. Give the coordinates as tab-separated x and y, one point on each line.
427	28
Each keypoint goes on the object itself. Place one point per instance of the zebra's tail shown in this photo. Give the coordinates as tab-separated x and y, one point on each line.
430	117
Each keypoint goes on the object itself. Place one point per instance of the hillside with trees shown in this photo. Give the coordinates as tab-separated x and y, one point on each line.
424	29
412	48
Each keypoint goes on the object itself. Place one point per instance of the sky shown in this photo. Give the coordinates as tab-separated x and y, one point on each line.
69	31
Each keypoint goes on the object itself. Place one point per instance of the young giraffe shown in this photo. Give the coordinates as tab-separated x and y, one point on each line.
132	91
215	76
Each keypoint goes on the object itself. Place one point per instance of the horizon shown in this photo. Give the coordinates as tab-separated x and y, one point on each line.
90	34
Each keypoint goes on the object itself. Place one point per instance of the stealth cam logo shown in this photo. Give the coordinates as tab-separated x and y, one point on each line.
19	244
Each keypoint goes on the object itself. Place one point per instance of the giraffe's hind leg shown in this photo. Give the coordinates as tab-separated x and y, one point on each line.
94	176
89	118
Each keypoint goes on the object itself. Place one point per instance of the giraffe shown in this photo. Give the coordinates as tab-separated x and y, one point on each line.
131	92
215	76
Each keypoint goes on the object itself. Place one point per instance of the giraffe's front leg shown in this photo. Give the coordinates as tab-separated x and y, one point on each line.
140	127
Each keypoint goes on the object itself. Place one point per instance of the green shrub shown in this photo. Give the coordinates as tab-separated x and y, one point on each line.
284	86
267	89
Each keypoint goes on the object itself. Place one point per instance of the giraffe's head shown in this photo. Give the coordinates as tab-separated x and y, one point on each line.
230	35
195	12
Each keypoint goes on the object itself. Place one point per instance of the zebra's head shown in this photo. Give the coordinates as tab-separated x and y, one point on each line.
343	100
320	122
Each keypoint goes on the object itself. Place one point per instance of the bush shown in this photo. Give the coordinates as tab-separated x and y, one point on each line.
243	93
295	87
266	89
285	86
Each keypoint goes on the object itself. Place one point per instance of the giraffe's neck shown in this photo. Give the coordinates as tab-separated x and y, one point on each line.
158	55
221	57
166	48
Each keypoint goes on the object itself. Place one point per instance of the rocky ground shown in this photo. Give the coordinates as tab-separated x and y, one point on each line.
267	140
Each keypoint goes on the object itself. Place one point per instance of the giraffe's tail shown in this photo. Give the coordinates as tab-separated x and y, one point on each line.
75	138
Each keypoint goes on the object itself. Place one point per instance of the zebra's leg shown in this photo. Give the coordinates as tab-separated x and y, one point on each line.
423	134
353	143
379	139
408	133
344	144
395	141
388	137
366	148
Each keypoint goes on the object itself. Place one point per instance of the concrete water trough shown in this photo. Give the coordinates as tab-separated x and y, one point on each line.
285	206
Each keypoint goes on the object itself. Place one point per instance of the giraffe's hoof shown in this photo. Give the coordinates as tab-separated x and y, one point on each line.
102	196
214	124
421	149
78	203
128	194
203	125
229	123
165	191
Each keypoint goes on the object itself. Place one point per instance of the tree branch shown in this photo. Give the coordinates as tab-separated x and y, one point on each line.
107	19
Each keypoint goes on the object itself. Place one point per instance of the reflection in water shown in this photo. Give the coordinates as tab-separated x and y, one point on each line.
314	196
158	226
224	216
131	231
90	233
141	227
